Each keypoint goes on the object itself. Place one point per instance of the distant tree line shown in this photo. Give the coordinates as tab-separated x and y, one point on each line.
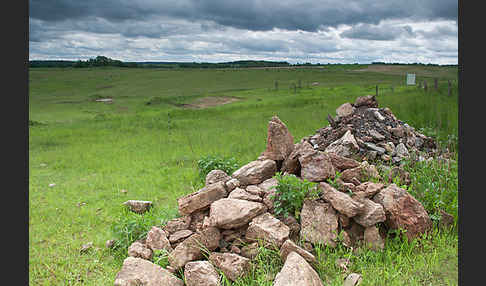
102	61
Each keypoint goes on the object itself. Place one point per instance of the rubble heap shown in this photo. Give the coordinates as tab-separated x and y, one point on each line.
377	133
221	225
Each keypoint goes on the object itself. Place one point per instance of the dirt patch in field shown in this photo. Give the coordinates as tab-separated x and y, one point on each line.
210	101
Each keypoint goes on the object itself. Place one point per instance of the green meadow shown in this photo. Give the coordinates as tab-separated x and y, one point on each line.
148	141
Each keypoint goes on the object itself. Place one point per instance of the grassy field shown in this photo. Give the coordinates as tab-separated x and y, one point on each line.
92	150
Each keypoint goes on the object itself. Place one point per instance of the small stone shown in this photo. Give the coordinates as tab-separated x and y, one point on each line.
373	239
345	109
52	185
353	279
232	184
138	206
296	271
289	246
180	235
86	247
157	239
110	243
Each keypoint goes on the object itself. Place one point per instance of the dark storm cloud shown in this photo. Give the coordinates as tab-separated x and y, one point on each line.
377	33
250	14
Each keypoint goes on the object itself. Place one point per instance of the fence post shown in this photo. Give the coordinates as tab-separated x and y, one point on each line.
376	90
436	85
449	92
425	85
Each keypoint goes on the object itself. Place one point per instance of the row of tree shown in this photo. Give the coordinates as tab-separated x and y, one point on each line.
102	61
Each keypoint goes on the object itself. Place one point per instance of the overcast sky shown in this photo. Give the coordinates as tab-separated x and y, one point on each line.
324	31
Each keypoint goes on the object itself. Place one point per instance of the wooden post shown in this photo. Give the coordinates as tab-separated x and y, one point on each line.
376	90
449	92
436	84
425	85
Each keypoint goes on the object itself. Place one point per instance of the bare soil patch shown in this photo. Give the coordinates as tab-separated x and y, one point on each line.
210	101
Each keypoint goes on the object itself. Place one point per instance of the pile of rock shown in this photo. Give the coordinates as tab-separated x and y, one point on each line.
363	130
221	225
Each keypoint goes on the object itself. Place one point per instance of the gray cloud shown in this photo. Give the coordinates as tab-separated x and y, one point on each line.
377	32
225	30
254	15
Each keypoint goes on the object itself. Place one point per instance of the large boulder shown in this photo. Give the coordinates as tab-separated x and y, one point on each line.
191	248
232	213
137	271
280	142
296	271
403	211
255	172
232	265
157	239
371	214
319	223
316	167
202	198
267	228
201	273
340	201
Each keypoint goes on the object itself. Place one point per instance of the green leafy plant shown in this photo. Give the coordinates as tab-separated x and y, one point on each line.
213	162
290	194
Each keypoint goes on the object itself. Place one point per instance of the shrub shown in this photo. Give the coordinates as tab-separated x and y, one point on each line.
211	162
290	194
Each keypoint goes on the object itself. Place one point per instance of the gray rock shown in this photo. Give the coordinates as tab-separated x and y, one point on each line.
289	246
138	206
232	213
242	194
371	214
345	146
217	176
373	239
345	110
180	235
280	142
138	249
267	228
376	135
191	248
232	265
402	151
340	201
137	271
202	198
201	273
353	279
316	167
373	147
296	271
255	172
318	223
157	239
177	224
232	184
